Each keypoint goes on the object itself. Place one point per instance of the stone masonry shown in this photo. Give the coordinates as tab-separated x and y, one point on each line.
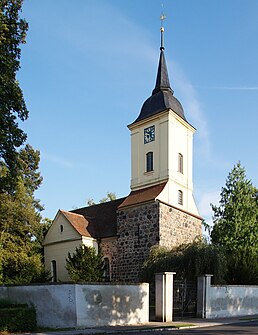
142	226
177	227
108	247
138	231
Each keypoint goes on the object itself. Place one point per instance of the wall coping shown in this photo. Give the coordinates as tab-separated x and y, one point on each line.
252	286
81	283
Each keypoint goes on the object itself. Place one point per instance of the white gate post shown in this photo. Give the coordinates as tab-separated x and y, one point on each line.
203	285
164	296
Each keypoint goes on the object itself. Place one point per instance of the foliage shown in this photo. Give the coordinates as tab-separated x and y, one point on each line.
17	318
21	232
85	265
109	197
188	261
12	105
236	227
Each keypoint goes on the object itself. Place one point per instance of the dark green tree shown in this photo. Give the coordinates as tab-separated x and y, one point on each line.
85	265
20	230
12	105
236	227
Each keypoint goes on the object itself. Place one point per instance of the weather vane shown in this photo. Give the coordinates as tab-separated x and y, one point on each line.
162	18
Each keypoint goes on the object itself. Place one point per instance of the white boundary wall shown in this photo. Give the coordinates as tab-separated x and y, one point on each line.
225	301
83	305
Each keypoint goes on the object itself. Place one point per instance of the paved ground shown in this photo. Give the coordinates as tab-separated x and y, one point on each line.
240	328
153	327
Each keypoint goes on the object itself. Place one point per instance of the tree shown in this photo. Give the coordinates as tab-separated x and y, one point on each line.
12	105
110	197
21	230
236	227
20	227
187	260
85	265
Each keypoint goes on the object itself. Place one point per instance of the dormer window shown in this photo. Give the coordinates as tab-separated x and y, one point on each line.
180	163
149	161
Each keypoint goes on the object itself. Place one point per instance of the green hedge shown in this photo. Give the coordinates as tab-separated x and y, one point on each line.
15	319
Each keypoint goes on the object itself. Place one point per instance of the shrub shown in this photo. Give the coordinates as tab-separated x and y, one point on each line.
85	265
17	318
188	261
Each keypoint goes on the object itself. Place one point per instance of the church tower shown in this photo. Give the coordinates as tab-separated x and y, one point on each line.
160	210
162	144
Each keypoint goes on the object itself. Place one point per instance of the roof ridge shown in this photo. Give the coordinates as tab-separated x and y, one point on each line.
99	204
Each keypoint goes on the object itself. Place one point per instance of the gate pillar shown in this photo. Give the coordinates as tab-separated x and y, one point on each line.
203	285
164	296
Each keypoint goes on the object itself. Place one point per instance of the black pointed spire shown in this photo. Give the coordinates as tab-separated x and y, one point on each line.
162	97
162	81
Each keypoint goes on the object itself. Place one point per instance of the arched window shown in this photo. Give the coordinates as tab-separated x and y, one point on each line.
149	161
180	197
61	228
180	163
106	273
53	271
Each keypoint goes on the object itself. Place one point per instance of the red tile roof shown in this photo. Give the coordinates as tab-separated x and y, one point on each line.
79	222
101	218
143	195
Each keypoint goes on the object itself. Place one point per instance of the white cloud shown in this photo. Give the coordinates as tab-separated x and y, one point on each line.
192	107
57	160
204	204
237	88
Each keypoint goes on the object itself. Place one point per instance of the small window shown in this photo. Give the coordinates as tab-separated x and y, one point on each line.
180	197
149	161
53	271
106	273
180	163
61	228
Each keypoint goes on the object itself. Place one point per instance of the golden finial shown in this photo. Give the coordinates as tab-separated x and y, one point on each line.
162	18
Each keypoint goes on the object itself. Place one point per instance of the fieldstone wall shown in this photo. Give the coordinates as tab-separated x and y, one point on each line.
138	231
142	226
108	248
177	227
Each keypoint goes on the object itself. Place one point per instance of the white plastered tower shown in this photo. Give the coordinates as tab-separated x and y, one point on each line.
162	145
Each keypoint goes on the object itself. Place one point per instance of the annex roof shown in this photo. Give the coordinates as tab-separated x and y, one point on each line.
79	222
101	218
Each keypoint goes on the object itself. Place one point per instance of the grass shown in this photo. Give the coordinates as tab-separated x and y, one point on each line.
249	318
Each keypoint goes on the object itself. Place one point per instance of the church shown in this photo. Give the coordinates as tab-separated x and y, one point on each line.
160	209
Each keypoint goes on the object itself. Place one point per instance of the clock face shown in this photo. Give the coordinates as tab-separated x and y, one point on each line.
149	134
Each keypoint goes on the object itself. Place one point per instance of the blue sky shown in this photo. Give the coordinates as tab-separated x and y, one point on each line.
89	65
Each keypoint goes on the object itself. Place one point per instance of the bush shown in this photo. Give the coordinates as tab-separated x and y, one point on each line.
21	268
18	318
85	265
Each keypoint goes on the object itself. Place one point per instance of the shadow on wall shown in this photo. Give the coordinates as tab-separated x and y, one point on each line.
83	305
112	304
233	300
